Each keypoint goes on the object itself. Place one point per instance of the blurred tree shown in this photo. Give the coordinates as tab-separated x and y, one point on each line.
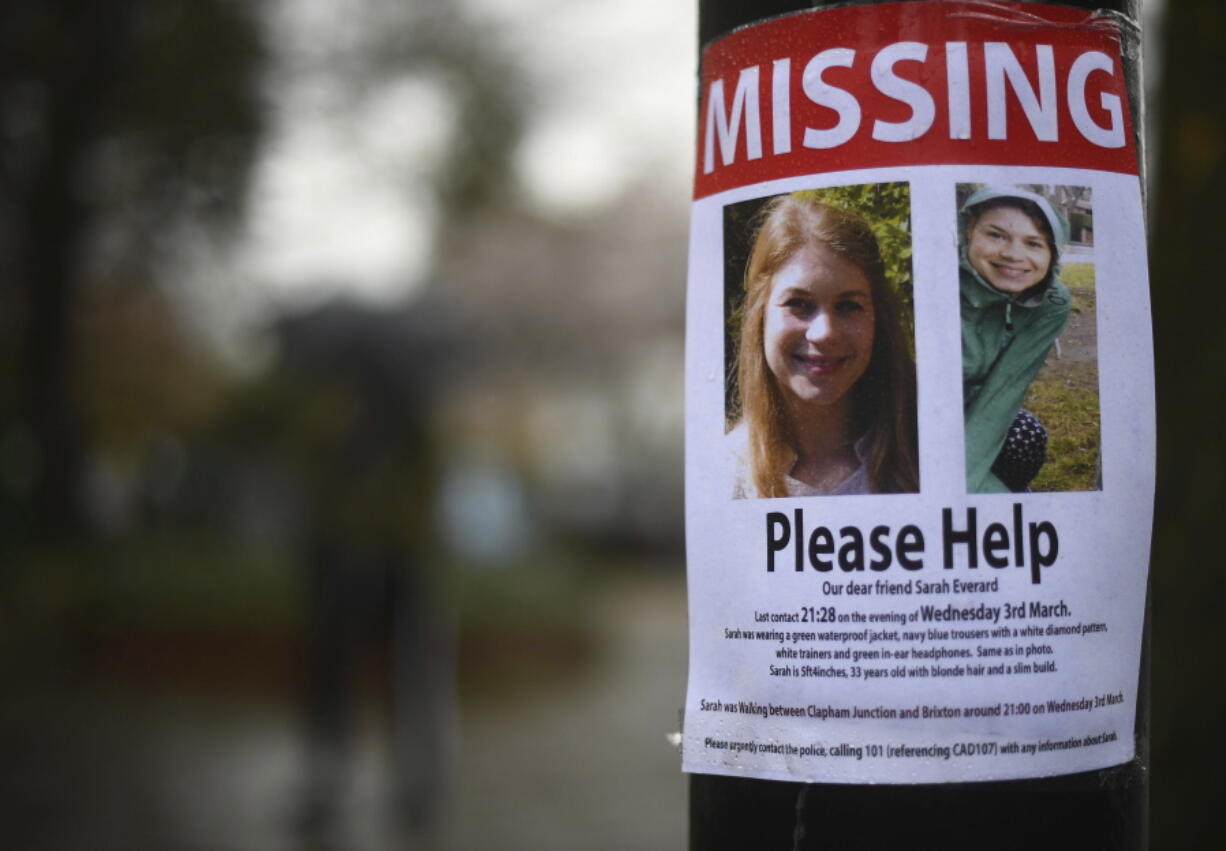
482	80
121	121
491	112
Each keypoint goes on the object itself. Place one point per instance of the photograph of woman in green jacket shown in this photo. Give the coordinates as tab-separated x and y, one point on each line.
1013	308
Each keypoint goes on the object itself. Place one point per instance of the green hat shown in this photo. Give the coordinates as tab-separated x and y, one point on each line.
1057	222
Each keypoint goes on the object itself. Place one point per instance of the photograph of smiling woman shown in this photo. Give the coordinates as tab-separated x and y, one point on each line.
1013	308
805	379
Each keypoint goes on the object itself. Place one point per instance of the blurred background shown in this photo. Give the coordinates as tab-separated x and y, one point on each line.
341	422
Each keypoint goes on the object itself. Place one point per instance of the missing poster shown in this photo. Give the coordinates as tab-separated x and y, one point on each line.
919	427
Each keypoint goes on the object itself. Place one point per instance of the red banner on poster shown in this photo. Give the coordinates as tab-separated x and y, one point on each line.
990	83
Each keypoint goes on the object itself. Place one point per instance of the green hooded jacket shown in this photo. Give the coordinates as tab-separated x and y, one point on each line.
1005	339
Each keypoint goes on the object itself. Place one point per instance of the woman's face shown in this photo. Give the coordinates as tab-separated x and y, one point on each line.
818	327
1008	249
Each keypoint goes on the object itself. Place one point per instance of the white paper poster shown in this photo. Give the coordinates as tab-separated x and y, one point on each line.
919	430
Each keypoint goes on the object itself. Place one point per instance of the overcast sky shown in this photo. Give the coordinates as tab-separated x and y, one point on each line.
340	201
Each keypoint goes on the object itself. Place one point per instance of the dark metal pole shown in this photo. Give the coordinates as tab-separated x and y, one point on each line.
1105	809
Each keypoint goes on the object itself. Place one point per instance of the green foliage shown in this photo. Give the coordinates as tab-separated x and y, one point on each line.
1068	409
1079	278
547	591
887	208
1065	394
182	580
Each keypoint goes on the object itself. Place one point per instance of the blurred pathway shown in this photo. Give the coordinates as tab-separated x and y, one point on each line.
586	763
580	763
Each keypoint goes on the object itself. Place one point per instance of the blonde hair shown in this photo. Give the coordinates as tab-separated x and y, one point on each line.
884	397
